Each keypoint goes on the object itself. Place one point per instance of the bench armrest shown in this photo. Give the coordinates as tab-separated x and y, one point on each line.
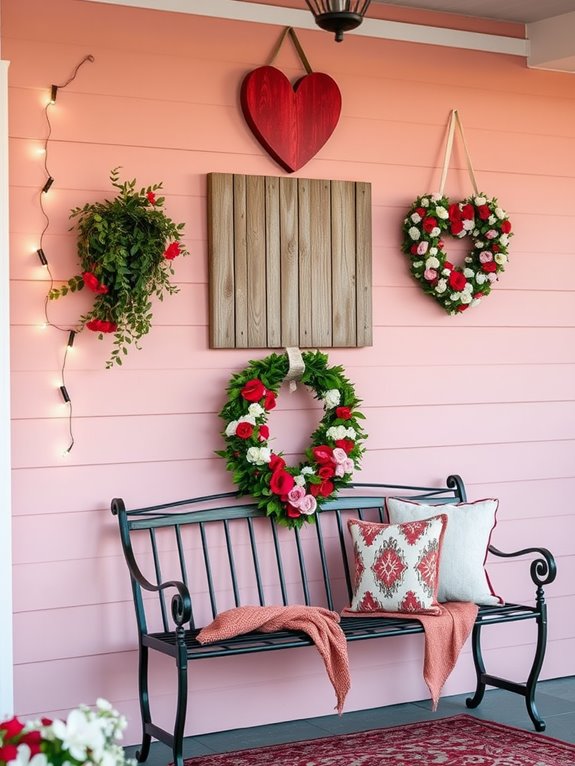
543	569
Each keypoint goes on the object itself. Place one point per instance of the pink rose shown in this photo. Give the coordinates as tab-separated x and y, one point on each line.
430	275
339	455
422	248
307	505
295	495
346	467
485	257
491	234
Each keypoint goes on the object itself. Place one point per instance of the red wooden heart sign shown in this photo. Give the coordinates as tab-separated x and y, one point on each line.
291	123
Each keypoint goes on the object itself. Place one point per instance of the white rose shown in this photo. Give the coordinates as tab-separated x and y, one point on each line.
468	288
424	202
480	201
469	273
504	239
481	278
307	469
468	259
350	433
441	286
491	220
432	251
417	264
435	232
415	217
455	296
446	272
500	258
414	232
259	455
500	213
231	428
336	432
466	297
432	263
479	244
332	398
476	232
300	480
441	212
255	410
475	302
492	277
247	419
468	224
435	197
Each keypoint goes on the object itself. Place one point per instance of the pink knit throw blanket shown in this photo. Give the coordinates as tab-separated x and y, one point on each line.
445	635
321	625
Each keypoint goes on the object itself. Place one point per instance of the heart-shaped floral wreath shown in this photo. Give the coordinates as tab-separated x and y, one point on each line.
292	495
430	218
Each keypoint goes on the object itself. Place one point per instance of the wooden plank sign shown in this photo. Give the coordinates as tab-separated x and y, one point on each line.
291	123
289	262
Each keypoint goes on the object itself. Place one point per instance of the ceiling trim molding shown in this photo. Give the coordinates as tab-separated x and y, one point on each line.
302	19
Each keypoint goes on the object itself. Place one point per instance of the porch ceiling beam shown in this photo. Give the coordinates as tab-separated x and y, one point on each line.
553	43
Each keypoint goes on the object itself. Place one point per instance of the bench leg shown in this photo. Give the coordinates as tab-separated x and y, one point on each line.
143	752
182	699
527	689
479	668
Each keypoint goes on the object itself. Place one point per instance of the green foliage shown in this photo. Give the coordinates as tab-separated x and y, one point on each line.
123	243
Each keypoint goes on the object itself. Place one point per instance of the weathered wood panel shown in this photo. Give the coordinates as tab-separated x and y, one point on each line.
296	253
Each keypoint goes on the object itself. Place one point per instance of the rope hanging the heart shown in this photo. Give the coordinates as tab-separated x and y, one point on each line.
291	123
292	495
432	217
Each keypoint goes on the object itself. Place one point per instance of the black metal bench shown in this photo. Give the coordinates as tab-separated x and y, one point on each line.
214	553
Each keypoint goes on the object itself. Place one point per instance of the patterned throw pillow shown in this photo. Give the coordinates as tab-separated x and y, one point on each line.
397	565
462	575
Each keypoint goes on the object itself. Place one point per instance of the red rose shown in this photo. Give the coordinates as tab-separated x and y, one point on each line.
101	325
463	307
151	197
292	512
326	471
322	454
343	412
429	224
456	228
413	249
454	212
8	753
281	482
172	251
253	390
324	489
477	296
495	248
484	212
11	729
244	430
468	212
276	463
489	267
420	211
270	400
448	265
92	283
264	432
345	444
456	280
33	740
108	327
440	244
506	227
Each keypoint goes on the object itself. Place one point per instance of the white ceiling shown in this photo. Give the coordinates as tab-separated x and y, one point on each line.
525	11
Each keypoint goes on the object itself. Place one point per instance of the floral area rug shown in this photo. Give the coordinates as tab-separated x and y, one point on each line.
457	741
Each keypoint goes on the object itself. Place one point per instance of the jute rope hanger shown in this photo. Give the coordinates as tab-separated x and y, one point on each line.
296	367
297	45
455	121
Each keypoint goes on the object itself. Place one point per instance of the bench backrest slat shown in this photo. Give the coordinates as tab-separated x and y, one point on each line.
280	568
256	562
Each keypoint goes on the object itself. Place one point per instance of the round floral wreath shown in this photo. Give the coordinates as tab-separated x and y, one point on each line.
430	218
292	495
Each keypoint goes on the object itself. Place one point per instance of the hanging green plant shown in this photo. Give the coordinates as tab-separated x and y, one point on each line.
126	246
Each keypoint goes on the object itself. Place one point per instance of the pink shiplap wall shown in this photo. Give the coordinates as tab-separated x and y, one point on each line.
488	394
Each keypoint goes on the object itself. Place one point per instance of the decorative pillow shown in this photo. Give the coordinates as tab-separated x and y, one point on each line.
397	565
462	575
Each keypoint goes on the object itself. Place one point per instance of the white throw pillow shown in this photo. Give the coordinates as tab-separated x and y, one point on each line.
462	575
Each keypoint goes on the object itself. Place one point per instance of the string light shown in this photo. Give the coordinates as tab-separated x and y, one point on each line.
42	255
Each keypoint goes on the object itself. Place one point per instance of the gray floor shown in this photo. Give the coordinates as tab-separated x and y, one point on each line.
555	701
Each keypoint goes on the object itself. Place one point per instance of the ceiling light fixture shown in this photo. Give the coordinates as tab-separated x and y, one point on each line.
338	16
